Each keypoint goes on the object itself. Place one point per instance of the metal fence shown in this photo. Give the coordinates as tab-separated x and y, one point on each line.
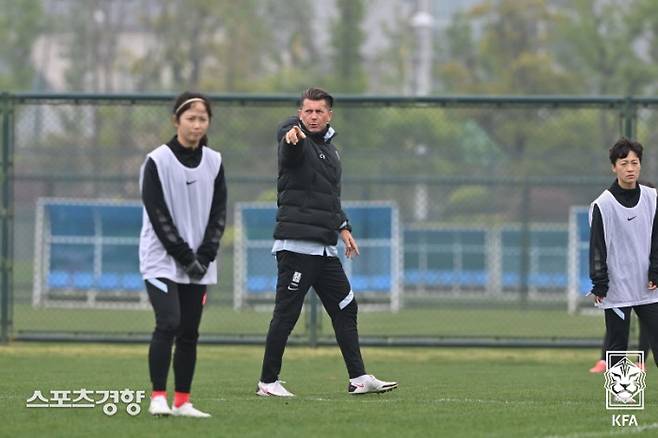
482	188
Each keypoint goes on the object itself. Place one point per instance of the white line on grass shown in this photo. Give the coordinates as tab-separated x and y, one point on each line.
364	399
382	398
624	431
502	402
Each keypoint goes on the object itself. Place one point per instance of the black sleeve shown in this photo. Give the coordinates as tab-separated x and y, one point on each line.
160	217
598	254
344	220
216	222
343	216
290	155
653	256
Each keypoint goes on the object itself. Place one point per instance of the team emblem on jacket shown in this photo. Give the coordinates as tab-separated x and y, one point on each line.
322	156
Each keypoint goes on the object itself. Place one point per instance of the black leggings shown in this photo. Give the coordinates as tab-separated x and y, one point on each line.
643	342
177	316
617	329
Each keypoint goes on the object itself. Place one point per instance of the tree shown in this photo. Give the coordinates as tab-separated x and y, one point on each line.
223	46
183	45
20	25
393	66
294	56
598	43
347	39
512	54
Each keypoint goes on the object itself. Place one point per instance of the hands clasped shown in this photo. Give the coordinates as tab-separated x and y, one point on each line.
196	270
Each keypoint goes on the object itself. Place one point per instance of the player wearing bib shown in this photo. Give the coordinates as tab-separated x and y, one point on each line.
184	196
624	249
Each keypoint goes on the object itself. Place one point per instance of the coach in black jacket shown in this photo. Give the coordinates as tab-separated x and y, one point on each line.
308	222
309	186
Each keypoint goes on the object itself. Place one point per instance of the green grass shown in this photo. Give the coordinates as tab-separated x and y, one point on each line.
436	321
443	392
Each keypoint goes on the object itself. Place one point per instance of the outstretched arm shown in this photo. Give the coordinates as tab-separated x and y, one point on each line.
291	143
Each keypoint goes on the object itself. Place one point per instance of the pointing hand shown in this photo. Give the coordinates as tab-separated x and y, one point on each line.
295	135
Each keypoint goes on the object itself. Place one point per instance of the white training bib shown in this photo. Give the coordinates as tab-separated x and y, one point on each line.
188	193
627	233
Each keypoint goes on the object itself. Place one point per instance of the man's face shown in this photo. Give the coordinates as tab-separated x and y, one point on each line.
315	115
627	170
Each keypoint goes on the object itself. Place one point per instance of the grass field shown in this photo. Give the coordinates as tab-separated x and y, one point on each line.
443	392
433	321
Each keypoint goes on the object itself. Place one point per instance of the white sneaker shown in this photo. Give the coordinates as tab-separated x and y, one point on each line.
275	389
159	406
187	410
369	384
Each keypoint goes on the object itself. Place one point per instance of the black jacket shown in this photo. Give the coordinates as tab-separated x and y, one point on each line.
598	267
308	187
160	216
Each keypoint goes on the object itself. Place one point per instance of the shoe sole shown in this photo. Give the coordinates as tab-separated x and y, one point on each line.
268	394
160	414
381	391
262	393
191	416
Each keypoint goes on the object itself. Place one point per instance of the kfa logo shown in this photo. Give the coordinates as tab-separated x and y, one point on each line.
624	420
624	380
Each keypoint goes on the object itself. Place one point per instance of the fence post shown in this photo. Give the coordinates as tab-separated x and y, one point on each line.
525	244
629	117
5	219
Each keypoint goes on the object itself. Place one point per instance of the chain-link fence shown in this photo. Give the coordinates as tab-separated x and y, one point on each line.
482	190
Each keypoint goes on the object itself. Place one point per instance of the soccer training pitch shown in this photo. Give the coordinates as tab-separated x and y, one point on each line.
443	392
431	322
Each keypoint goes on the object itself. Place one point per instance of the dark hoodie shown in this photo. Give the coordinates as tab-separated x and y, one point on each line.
308	187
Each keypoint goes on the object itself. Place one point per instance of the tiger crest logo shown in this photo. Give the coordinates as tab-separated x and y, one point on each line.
624	381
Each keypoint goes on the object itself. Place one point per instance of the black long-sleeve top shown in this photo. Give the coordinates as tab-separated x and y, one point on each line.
598	267
160	216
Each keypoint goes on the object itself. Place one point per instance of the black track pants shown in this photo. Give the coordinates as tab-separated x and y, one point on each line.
296	274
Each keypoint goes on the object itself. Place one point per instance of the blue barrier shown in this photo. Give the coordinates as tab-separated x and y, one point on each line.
445	257
87	246
457	257
582	249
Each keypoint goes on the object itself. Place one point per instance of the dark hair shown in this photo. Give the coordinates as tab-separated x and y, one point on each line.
316	94
180	105
622	148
